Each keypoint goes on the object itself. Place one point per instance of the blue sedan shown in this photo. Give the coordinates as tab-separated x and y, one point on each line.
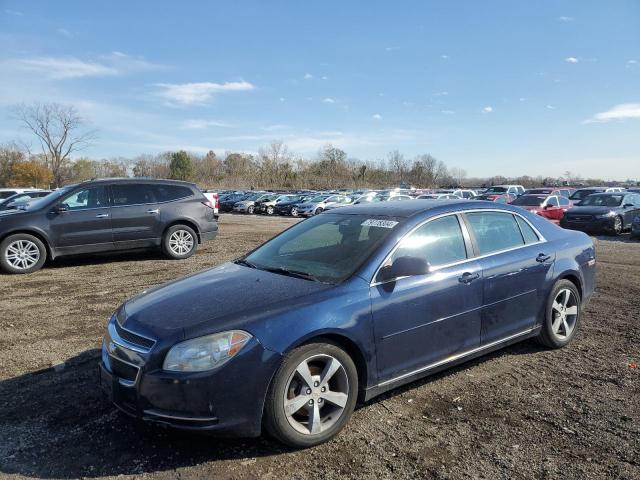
340	308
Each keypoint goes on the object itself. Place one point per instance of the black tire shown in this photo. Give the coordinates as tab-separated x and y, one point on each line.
548	336
277	422
269	210
294	211
250	209
176	251
22	242
318	211
618	226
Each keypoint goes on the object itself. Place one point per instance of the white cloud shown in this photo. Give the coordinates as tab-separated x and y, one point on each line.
444	57
201	124
328	100
447	112
487	109
391	49
631	63
308	76
15	13
64	32
198	93
566	19
324	77
64	67
275	128
522	99
571	60
282	99
622	111
550	107
440	94
377	116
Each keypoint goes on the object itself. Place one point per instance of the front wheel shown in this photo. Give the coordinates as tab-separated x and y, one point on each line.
179	242
617	226
312	396
562	315
22	253
269	210
250	209
318	211
294	211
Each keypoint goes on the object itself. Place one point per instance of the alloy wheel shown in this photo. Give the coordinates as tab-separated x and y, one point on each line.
22	254
181	242
269	210
294	211
617	225
316	395
564	313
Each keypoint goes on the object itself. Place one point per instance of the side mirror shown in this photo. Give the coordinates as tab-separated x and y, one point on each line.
628	205
405	267
61	208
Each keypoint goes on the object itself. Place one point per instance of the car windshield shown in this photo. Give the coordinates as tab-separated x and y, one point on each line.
580	194
328	248
319	198
597	200
47	199
529	200
495	190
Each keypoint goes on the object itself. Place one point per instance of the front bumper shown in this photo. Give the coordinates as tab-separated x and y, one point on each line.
594	225
227	400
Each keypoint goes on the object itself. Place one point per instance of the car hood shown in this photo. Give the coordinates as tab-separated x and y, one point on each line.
591	210
225	297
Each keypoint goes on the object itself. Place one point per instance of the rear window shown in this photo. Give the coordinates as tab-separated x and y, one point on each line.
529	200
166	193
132	194
494	231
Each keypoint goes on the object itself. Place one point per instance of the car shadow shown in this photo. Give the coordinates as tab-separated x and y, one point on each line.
56	424
140	255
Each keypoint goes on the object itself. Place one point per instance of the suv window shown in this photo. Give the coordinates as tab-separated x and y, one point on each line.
132	194
93	197
439	242
167	193
494	231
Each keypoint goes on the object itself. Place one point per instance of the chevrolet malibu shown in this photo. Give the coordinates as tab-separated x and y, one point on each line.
345	306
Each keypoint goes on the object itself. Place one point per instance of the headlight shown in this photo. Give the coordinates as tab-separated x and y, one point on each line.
606	215
205	353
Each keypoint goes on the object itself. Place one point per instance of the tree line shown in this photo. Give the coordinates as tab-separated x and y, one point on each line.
62	135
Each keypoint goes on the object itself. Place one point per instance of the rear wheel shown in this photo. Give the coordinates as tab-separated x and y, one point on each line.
312	396
179	242
250	209
269	210
617	226
318	211
562	317
294	211
22	253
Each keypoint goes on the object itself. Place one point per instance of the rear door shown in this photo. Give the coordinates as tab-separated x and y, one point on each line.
136	215
516	263
86	225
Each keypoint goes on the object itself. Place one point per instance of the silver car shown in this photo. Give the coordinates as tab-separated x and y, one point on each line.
320	202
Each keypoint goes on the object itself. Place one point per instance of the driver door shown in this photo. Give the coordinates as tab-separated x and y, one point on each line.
85	225
423	320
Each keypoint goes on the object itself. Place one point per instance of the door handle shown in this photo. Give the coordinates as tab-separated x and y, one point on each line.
154	211
542	258
102	215
468	277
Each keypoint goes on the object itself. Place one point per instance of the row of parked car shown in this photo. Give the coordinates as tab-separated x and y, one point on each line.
592	209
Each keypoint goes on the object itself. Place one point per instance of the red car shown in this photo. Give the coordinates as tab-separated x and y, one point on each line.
497	197
551	207
563	191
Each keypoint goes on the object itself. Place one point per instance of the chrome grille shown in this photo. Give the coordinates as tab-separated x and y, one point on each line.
134	338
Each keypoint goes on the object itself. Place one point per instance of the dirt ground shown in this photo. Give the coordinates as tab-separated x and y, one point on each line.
524	412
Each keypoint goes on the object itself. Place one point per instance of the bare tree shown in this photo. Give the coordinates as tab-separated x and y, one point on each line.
59	129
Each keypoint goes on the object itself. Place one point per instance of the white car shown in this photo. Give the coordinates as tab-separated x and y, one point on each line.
8	192
439	196
319	203
467	194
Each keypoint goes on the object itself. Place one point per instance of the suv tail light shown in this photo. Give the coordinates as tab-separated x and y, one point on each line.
216	203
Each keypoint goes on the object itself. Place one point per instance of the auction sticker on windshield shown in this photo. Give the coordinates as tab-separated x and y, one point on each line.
372	222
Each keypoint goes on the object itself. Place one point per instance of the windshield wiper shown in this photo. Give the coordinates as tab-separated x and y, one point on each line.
292	273
244	262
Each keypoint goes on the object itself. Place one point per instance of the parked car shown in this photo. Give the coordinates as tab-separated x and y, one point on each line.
20	199
603	213
439	196
267	204
467	194
635	228
105	215
290	206
515	190
318	203
344	306
582	193
228	201
552	207
248	204
565	192
214	198
497	197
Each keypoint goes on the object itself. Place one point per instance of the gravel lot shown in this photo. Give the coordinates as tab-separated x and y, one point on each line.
524	412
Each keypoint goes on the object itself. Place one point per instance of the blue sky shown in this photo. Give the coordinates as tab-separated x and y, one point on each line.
495	87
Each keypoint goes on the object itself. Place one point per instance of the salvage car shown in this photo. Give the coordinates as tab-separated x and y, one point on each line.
344	306
106	215
611	213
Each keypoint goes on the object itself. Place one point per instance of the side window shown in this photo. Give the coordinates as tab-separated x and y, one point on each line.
439	242
132	194
94	197
494	231
564	201
553	201
166	193
529	234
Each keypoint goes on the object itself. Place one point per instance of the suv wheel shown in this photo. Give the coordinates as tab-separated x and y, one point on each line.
22	253
179	242
562	316
312	395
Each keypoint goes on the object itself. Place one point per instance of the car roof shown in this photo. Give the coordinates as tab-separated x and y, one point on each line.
138	180
417	207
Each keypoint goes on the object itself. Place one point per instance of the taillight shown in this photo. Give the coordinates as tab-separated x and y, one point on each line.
215	197
208	204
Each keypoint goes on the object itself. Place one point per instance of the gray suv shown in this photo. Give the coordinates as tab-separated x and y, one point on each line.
106	215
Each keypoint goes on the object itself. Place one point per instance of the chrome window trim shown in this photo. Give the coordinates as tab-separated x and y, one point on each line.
455	357
463	226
